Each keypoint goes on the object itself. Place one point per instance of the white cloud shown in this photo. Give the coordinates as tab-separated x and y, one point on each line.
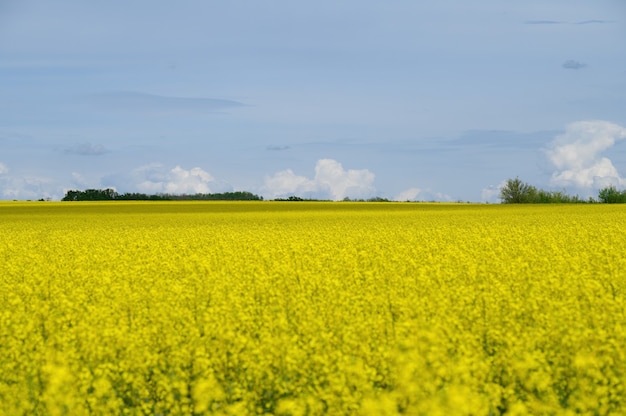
408	195
492	193
153	179
417	194
331	181
27	187
287	182
3	168
576	155
82	181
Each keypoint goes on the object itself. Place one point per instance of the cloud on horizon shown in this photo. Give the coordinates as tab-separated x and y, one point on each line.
24	187
577	155
156	179
426	195
331	181
491	194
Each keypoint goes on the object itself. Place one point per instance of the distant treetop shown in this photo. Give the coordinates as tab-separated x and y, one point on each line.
515	191
110	195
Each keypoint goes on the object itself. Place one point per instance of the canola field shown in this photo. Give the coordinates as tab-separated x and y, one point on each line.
311	308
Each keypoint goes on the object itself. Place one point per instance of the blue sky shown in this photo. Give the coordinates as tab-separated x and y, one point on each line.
406	100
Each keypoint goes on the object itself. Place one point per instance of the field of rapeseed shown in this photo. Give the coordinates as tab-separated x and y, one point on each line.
176	308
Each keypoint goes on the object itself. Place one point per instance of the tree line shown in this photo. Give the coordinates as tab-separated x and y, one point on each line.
515	191
346	199
111	195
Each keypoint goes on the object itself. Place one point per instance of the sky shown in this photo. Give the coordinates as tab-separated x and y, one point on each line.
404	99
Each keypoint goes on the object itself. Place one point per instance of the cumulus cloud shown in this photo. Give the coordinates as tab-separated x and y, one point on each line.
492	192
176	181
572	64
331	181
155	179
417	194
81	181
408	195
25	187
577	155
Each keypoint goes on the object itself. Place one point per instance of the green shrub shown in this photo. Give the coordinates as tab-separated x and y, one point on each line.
611	195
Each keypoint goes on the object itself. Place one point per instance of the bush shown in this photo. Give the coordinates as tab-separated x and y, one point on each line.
110	194
517	192
610	195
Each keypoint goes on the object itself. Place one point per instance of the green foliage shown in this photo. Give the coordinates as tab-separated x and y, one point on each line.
517	192
224	196
346	199
110	194
291	198
611	195
557	197
373	199
91	195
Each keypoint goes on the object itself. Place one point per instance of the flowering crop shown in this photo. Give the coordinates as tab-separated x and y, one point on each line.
299	308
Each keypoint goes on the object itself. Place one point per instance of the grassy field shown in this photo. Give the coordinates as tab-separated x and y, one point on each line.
307	308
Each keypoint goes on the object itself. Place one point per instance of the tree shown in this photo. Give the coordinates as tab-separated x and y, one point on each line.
610	195
90	195
515	191
110	194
